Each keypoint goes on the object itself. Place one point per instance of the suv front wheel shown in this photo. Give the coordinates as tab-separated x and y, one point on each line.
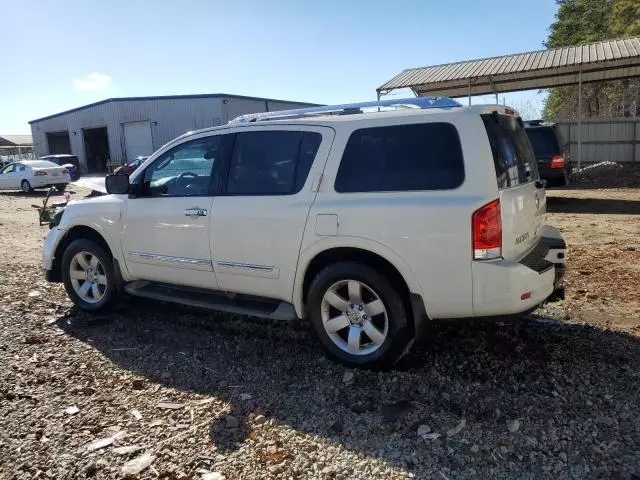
358	316
88	276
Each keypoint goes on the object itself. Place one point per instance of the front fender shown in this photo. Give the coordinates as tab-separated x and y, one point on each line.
102	214
327	243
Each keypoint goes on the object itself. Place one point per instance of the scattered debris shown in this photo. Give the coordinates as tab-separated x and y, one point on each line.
138	464
33	293
423	430
213	476
245	396
136	414
457	429
513	425
170	405
260	419
72	410
126	450
104	442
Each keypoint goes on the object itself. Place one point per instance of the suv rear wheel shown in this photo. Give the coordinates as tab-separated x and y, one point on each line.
358	316
88	276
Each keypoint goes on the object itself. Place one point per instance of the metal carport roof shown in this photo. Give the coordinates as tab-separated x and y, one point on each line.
606	60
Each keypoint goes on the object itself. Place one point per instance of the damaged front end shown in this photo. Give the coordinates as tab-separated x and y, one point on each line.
51	213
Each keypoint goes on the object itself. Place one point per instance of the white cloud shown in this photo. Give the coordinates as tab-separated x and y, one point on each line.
93	81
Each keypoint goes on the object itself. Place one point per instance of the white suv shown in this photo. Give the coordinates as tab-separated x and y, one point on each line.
366	223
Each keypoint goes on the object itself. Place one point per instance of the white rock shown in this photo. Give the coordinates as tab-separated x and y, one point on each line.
213	476
104	442
129	449
245	396
72	410
138	464
431	436
33	293
170	405
348	378
136	414
475	449
423	430
260	419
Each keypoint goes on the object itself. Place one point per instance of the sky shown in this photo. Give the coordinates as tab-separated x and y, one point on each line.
64	54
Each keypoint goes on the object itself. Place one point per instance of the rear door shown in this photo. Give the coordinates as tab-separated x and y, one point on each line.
258	223
522	196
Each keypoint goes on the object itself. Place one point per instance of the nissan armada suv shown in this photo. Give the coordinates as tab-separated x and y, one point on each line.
366	219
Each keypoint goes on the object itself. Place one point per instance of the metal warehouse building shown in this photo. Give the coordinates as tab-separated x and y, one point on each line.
117	129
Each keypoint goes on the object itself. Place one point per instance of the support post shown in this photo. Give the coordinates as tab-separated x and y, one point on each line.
469	90
579	118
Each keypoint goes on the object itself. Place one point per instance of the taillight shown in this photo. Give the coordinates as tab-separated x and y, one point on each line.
38	173
487	231
557	161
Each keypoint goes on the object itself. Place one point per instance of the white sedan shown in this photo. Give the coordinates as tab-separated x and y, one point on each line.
30	174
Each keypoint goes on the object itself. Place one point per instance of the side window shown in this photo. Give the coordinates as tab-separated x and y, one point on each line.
20	168
271	162
424	156
9	168
185	170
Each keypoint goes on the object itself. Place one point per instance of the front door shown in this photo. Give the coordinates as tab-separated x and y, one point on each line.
166	228
257	225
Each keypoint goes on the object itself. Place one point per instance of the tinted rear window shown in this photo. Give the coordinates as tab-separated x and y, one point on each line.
513	157
543	140
424	156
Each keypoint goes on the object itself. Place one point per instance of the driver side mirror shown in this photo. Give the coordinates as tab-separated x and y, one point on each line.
117	184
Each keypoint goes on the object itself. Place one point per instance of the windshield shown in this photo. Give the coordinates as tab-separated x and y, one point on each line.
544	141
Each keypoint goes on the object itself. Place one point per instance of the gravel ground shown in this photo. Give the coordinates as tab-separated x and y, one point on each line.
190	395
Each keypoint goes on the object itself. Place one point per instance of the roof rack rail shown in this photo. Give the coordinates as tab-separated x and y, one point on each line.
349	108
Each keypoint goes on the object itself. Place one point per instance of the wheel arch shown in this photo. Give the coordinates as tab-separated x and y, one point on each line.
331	250
75	233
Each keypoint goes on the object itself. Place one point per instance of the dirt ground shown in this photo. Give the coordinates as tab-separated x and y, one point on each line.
554	395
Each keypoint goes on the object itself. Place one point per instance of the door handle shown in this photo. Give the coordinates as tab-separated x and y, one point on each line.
196	212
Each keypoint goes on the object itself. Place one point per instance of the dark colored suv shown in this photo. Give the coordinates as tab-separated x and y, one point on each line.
64	159
551	151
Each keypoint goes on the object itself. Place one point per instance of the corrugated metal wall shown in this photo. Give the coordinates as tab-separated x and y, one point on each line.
615	140
169	118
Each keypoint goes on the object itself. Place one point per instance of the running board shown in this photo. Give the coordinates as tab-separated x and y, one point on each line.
213	300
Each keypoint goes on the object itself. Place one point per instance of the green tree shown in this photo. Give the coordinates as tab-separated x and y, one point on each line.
583	21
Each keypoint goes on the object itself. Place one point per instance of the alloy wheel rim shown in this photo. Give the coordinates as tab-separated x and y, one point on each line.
354	317
88	277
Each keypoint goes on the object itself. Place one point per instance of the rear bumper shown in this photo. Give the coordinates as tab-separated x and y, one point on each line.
548	173
503	287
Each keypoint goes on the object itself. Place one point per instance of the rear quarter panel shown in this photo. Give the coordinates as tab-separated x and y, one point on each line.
425	234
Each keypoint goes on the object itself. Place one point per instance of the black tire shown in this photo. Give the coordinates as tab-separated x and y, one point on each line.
61	187
106	261
399	337
26	186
